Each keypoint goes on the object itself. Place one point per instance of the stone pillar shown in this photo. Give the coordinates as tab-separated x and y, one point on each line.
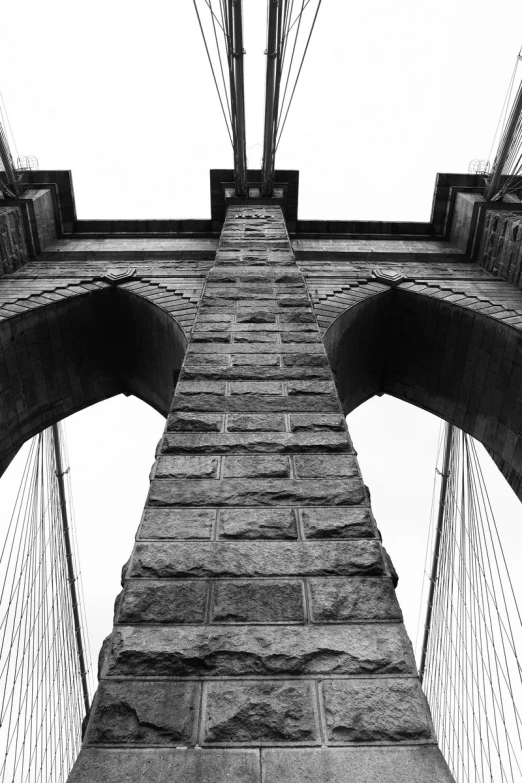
258	636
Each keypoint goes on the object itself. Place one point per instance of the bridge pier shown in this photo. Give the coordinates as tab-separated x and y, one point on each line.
258	636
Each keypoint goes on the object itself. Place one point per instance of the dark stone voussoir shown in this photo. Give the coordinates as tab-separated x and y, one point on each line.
242	651
185	560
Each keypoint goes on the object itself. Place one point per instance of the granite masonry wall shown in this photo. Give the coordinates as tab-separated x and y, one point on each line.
258	636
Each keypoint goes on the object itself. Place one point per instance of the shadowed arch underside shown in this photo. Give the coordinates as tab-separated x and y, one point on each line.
461	365
60	358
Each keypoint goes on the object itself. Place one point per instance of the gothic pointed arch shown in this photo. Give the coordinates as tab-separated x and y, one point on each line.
459	357
61	357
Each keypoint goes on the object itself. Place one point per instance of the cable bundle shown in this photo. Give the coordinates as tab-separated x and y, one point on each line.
42	703
472	675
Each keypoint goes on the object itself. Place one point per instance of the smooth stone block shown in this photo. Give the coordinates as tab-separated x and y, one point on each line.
353	599
260	713
338	523
256	467
161	765
179	523
257	523
243	651
187	467
163	602
385	710
407	764
169	559
143	713
252	601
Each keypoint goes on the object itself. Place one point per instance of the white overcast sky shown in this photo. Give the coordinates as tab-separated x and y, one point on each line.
390	94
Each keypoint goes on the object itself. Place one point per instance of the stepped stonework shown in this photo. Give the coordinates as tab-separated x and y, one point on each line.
258	637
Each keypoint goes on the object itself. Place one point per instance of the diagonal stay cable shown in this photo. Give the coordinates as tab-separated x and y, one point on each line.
298	73
213	73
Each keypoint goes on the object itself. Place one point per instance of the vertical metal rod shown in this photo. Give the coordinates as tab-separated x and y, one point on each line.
505	145
237	91
272	94
70	568
436	550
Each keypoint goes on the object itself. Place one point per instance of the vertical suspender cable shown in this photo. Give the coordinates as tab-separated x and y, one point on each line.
70	569
436	549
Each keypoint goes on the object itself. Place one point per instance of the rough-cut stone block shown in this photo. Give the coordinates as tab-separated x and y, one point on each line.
169	559
256	372
260	713
256	467
195	360
252	442
298	317
310	387
257	492
255	422
195	422
257	523
325	465
338	523
376	711
296	360
413	764
179	523
256	360
144	713
243	651
197	387
253	337
256	317
306	403
162	765
252	601
257	388
353	599
163	602
306	422
187	467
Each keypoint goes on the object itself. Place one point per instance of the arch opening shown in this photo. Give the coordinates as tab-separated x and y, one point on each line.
61	358
458	364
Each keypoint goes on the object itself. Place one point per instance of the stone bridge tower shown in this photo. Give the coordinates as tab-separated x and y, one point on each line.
258	637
